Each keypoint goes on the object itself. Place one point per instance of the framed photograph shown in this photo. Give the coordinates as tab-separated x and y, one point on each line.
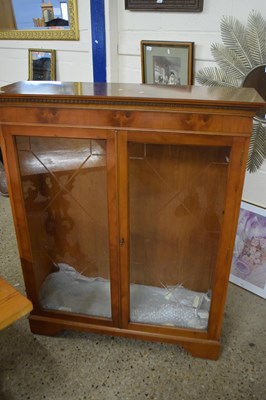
42	65
248	268
167	63
164	5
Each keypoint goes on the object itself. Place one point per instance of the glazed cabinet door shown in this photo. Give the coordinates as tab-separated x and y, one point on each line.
172	204
68	195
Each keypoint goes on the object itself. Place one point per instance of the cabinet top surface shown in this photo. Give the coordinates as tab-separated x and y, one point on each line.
120	92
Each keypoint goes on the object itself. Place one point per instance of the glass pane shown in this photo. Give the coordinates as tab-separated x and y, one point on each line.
176	196
64	184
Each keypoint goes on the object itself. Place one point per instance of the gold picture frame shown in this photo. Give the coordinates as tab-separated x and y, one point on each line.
167	63
42	65
11	32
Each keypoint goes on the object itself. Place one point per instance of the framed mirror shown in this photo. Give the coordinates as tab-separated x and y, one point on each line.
39	19
42	65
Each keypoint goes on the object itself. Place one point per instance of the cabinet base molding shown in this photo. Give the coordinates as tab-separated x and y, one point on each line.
201	348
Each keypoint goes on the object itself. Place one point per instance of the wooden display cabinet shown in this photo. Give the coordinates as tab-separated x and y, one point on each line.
125	200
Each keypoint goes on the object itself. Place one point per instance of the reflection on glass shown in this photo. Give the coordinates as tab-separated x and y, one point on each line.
64	10
33	14
65	193
176	196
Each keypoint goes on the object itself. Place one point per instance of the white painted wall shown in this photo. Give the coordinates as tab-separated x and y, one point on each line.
201	28
125	29
255	187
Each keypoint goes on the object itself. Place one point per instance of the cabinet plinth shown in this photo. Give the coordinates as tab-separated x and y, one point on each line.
125	200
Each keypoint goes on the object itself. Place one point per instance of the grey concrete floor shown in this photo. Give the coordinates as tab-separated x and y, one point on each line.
86	366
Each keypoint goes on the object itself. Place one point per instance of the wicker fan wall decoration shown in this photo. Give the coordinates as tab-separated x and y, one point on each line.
241	61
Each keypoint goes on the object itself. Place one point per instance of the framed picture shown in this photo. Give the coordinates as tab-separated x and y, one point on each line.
165	5
167	63
248	268
42	65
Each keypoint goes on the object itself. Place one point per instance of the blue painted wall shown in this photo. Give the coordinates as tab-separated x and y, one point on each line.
98	40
